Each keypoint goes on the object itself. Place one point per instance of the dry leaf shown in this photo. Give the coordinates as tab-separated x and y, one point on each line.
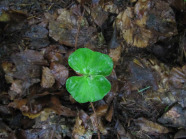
48	79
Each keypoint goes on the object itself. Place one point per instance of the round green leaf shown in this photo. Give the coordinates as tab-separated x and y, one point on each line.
88	62
88	88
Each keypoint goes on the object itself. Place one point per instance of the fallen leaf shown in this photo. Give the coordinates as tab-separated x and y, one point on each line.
115	54
110	113
146	23
151	127
177	77
59	72
101	110
175	117
65	28
48	79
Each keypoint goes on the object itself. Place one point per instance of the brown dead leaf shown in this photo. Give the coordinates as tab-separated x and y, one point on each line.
115	54
17	86
8	68
110	113
99	15
82	126
177	77
151	127
65	28
181	134
48	79
101	110
60	109
28	64
60	72
19	104
175	117
110	7
146	23
99	126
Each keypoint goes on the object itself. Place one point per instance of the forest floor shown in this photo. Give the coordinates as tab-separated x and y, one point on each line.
146	40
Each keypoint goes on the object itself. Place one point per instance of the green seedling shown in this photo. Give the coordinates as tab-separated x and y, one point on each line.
93	66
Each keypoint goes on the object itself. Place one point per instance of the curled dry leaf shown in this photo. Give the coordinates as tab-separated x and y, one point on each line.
110	113
146	23
48	79
59	72
101	110
150	127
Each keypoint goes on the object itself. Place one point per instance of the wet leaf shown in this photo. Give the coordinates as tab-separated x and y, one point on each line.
38	36
28	64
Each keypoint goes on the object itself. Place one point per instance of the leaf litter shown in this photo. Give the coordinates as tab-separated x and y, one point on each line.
144	38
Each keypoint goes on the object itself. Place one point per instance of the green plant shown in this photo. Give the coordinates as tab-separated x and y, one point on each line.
93	66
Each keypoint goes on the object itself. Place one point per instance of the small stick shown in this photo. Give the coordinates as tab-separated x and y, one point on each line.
96	119
78	29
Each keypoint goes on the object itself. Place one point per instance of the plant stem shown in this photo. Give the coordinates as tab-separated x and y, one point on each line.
95	120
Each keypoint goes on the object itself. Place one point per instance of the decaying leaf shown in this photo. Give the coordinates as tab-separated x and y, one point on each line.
115	54
101	110
34	107
65	28
110	113
175	117
110	7
150	127
59	72
38	36
82	127
99	15
177	77
48	79
146	23
28	64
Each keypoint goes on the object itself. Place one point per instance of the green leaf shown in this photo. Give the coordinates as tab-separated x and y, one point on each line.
88	62
88	88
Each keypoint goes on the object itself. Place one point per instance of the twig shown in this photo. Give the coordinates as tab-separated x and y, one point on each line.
96	119
78	29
